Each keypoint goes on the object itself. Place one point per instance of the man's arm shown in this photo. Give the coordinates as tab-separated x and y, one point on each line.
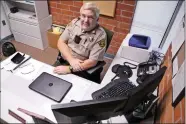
89	63
64	49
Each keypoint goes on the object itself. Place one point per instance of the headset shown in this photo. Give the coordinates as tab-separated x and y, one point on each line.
123	71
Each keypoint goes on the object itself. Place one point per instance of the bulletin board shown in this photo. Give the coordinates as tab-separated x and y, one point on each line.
106	7
178	81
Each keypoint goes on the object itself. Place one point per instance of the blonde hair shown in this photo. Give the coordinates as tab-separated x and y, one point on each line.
91	6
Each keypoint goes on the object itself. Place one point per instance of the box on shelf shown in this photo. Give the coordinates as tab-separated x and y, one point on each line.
53	38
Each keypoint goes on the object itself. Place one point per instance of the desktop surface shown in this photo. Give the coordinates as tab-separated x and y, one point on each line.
15	87
108	106
81	90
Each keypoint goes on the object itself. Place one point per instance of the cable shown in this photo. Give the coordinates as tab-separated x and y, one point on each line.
156	57
127	64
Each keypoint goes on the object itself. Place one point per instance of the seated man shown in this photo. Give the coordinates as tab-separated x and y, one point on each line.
82	44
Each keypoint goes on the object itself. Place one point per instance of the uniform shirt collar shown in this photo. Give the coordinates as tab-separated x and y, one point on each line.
93	31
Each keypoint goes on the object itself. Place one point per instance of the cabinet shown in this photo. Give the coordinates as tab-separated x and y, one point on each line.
5	29
30	24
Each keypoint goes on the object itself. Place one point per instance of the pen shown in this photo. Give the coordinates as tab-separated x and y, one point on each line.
21	63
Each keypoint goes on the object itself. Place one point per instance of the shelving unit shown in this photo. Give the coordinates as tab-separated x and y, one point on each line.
30	24
24	1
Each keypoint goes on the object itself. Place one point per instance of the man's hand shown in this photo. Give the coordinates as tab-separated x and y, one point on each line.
76	64
62	70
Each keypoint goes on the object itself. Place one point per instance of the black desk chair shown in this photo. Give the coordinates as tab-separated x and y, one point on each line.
95	72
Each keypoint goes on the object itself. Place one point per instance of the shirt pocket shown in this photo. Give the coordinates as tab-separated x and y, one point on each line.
84	48
71	39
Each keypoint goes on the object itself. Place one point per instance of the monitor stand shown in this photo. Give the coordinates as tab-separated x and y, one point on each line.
92	117
145	110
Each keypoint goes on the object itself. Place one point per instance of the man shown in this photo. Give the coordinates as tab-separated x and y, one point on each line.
82	44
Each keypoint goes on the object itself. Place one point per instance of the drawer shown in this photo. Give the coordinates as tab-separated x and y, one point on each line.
24	28
31	41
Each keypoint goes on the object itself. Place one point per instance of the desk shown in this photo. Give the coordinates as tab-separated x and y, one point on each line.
109	75
15	93
119	60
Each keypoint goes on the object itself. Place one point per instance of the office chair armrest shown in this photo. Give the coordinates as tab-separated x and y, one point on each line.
95	68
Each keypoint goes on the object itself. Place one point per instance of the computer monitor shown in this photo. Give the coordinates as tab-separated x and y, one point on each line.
143	91
96	110
87	111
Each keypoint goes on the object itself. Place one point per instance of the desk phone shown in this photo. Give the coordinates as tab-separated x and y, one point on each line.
147	68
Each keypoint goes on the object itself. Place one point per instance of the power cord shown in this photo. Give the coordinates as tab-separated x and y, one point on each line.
156	57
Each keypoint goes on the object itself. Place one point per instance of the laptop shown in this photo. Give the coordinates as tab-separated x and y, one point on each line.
50	86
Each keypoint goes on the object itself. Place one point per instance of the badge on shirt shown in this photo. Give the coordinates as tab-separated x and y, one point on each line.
102	43
77	39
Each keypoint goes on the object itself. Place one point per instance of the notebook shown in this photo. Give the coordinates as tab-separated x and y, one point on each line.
50	86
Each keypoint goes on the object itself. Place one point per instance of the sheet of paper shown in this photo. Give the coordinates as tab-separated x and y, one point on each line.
9	65
178	81
7	61
175	66
29	70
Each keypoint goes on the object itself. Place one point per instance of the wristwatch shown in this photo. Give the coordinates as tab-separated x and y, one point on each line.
70	68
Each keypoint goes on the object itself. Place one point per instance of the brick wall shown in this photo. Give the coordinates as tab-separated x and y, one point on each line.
166	113
64	11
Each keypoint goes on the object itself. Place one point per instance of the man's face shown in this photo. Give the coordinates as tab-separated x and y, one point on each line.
88	20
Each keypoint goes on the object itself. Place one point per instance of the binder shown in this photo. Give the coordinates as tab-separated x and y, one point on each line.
36	117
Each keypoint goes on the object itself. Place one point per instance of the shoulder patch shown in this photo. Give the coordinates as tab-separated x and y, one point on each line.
102	43
70	24
73	22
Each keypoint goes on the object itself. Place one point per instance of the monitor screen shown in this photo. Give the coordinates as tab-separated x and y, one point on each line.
96	110
87	111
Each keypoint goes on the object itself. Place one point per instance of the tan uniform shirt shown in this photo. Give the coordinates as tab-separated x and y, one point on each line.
92	44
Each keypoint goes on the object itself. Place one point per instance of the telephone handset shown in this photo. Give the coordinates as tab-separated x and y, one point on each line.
147	68
123	71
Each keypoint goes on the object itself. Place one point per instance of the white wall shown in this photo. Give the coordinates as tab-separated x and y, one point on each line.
151	18
5	30
176	34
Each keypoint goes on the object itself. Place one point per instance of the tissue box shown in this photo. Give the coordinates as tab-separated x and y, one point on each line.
52	38
135	54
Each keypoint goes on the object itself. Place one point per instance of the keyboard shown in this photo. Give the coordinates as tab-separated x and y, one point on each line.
116	88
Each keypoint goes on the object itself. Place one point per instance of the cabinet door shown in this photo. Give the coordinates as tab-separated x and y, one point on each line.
25	28
31	41
5	30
